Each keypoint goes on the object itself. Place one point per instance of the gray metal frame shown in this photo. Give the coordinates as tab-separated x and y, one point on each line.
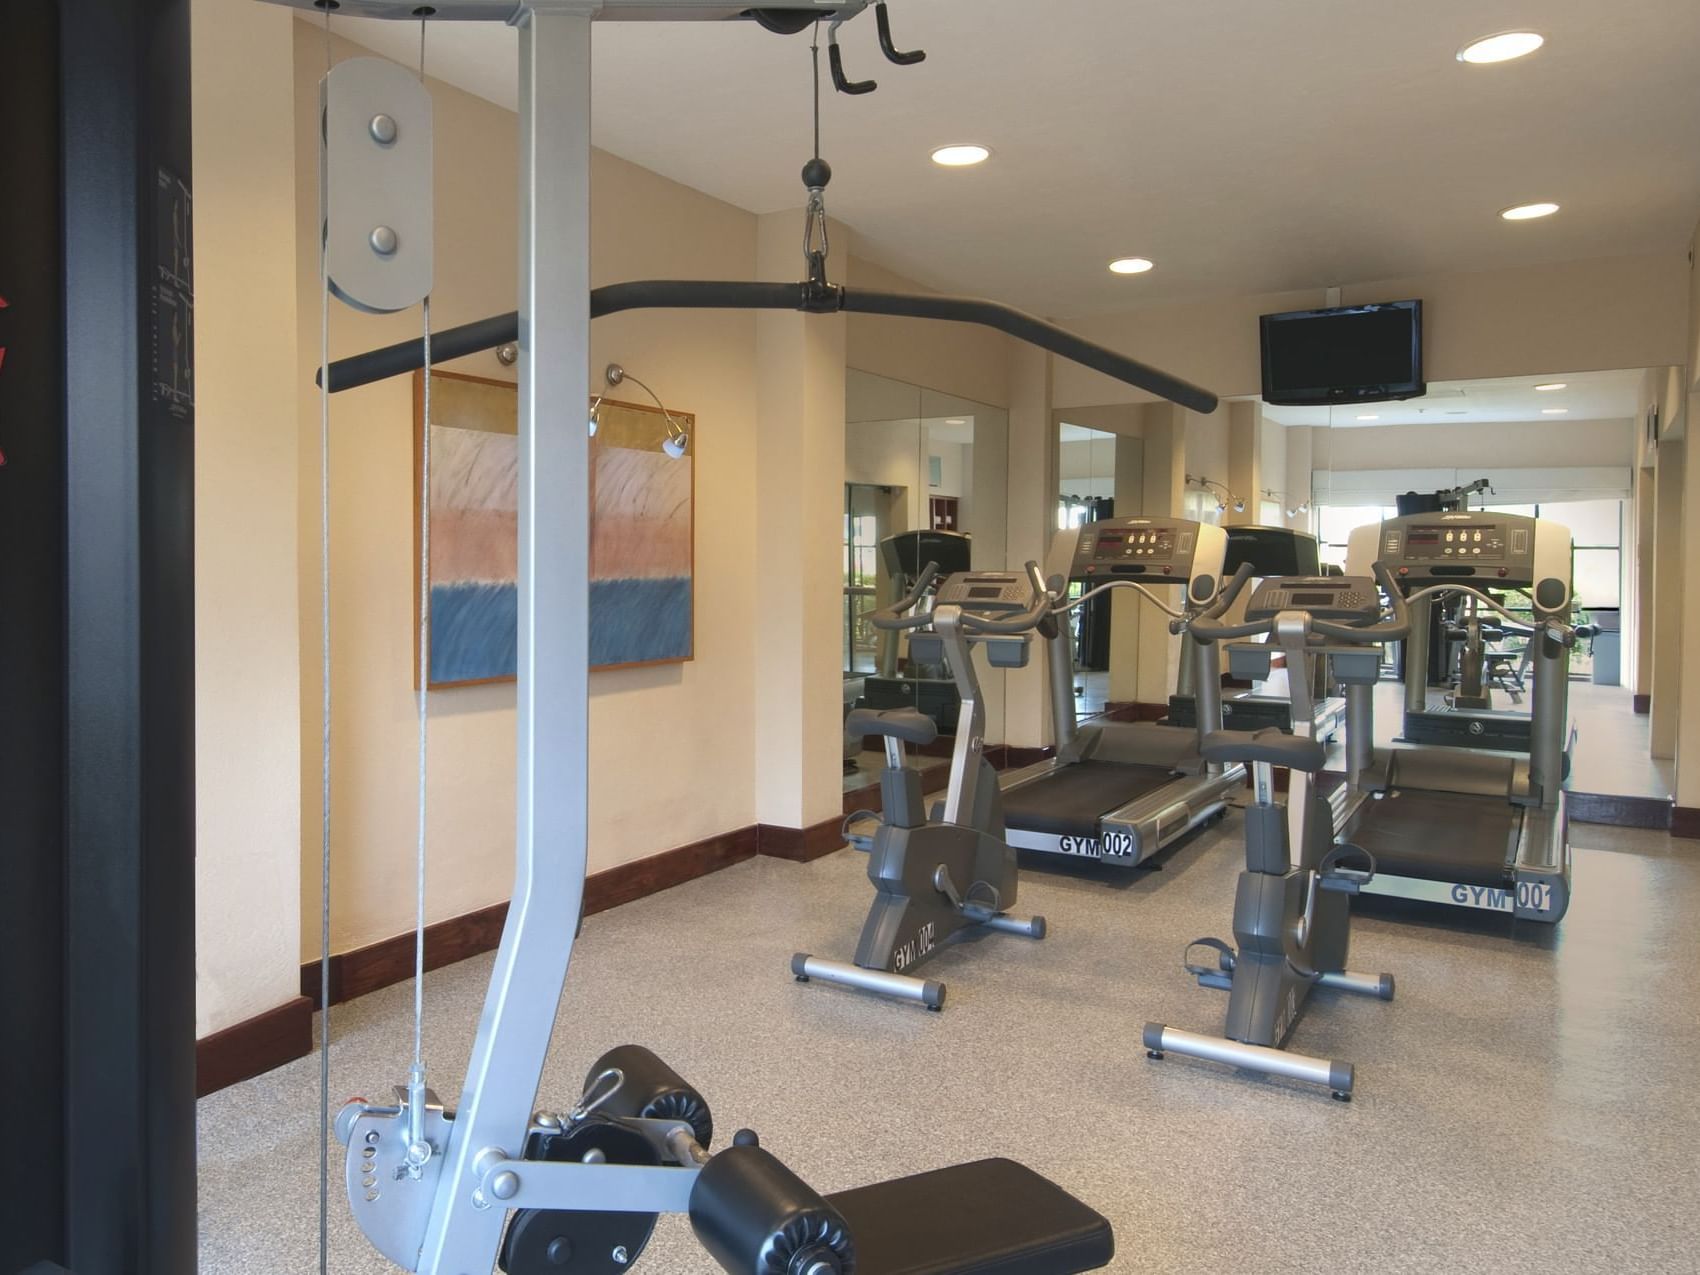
1130	834
920	866
1538	859
446	1217
1286	901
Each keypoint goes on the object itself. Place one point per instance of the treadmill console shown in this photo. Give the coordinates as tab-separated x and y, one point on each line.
1152	551
985	592
1342	599
1479	548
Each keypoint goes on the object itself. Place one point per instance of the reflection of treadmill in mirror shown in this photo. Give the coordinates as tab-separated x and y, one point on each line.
1272	552
929	688
1122	791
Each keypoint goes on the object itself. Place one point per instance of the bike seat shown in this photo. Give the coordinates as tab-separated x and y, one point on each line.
1270	744
907	724
991	1217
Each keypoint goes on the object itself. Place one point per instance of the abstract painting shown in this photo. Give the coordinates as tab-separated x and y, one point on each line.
642	525
642	532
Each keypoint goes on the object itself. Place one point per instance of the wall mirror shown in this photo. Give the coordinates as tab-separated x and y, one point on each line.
916	461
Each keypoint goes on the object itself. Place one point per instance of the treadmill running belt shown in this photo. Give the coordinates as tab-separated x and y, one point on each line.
1070	801
1440	836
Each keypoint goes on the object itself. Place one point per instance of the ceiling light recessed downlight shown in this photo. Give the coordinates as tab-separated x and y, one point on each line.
1528	212
1554	411
1552	385
1504	47
1131	265
961	155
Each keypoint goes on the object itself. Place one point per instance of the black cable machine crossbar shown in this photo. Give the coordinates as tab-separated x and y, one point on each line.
809	298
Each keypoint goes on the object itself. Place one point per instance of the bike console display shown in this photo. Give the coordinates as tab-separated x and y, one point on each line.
1342	599
985	592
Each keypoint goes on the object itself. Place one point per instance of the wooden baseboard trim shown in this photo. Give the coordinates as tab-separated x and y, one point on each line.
1619	811
803	845
254	1046
390	961
1643	704
632	881
1685	821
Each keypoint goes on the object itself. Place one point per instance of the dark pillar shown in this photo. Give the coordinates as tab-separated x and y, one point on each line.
105	466
32	637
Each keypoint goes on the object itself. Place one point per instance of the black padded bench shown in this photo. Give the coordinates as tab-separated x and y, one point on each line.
991	1217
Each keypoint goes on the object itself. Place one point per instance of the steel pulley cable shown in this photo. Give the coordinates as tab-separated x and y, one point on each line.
416	1075
325	680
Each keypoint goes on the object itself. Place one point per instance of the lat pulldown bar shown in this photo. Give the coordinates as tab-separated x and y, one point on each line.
675	294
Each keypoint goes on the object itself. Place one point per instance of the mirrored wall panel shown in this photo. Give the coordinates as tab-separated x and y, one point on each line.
925	481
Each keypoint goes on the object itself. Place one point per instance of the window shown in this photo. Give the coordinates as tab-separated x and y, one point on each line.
1596	558
1336	523
1596	545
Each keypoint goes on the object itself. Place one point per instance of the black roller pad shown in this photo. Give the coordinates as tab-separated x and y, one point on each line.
991	1217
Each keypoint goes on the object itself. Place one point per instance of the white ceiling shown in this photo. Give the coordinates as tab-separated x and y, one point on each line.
1587	396
1244	145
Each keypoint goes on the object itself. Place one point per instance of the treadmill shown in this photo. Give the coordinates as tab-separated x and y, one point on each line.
1272	552
1121	791
1473	828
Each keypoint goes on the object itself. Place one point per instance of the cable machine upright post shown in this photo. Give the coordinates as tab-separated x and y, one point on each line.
554	655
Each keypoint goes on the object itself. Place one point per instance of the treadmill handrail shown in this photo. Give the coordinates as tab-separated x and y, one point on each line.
1562	633
1136	585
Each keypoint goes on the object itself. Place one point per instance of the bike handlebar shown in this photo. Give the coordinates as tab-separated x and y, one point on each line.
891	617
1036	611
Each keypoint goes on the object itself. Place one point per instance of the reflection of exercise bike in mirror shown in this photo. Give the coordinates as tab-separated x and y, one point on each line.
1292	909
953	873
922	682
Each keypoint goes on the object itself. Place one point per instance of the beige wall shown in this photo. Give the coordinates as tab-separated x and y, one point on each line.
642	226
1571	316
958	358
247	810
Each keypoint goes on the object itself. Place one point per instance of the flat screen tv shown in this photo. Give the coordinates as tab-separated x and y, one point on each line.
1352	354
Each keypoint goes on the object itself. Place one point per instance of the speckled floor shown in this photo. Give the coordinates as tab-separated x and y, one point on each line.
1526	1104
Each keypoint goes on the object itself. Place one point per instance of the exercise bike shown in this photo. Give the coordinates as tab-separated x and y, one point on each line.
1292	908
951	872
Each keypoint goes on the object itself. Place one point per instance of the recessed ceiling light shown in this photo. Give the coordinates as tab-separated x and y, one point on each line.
956	420
1131	265
1371	417
1503	47
961	155
1528	212
1554	411
1552	385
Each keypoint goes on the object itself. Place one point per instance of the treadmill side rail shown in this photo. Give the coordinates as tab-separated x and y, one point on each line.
1543	864
1130	834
